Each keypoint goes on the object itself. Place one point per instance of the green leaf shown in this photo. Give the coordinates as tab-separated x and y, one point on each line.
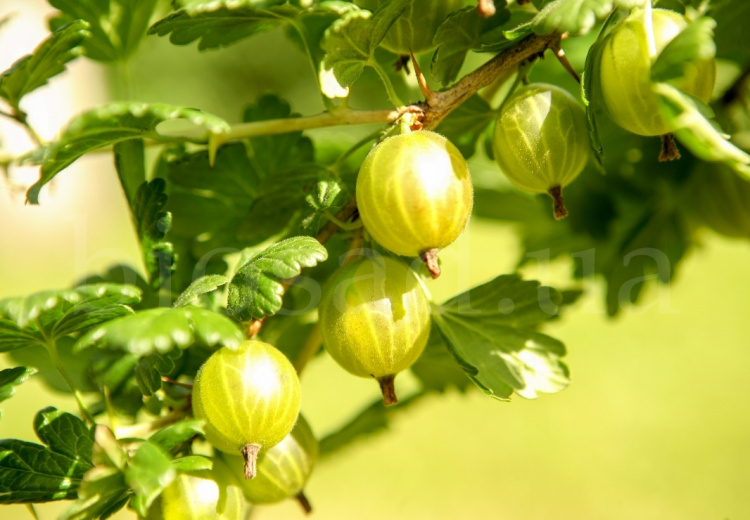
373	419
48	60
152	225
12	377
436	368
461	32
148	473
164	329
223	22
467	124
172	436
256	289
350	42
203	285
117	26
192	463
32	472
696	132
576	16
150	368
50	315
102	492
693	44
491	332
130	166
118	122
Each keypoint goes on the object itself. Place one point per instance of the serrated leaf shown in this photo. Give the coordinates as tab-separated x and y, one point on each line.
150	368
164	329
130	166
576	16
32	472
118	122
373	419
11	378
693	44
256	289
117	26
152	225
102	492
491	332
350	42
203	285
222	22
436	368
175	434
327	196
466	124
148	472
48	60
695	131
461	32
49	315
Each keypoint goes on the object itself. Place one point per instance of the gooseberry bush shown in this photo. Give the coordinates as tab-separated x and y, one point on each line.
265	245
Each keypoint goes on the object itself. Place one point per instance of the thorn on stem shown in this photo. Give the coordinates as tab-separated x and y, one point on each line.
423	86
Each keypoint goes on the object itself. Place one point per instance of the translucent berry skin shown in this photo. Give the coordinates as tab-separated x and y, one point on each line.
414	193
200	495
248	395
374	317
417	25
625	72
540	138
282	470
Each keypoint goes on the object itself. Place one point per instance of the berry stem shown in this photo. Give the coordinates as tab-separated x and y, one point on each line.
558	203
250	454
304	502
388	389
430	259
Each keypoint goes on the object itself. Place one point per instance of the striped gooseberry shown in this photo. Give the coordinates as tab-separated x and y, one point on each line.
375	319
198	495
283	470
249	398
541	141
417	25
414	194
625	71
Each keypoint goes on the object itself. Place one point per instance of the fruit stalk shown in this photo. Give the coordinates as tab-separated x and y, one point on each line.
304	502
250	454
388	389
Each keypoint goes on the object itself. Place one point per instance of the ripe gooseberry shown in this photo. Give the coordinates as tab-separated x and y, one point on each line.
416	27
283	470
541	141
375	319
198	495
414	194
249	398
625	71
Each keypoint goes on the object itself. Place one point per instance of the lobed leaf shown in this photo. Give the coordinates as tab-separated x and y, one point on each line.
576	16
491	332
256	289
173	435
467	124
203	285
461	32
48	60
350	42
436	367
219	23
118	122
148	472
164	329
50	315
32	472
11	378
150	368
102	492
152	225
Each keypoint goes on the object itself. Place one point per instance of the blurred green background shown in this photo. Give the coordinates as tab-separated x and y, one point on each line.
656	424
